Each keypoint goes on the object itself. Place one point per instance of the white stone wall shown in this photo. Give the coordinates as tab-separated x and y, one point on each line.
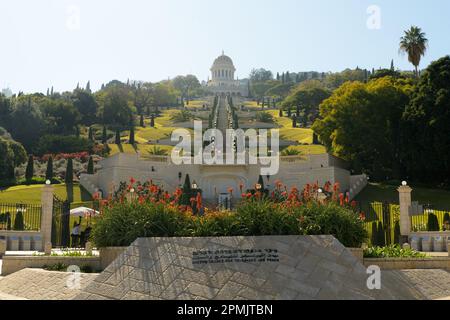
213	180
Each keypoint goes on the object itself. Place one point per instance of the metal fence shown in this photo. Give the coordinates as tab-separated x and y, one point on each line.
384	215
12	216
431	220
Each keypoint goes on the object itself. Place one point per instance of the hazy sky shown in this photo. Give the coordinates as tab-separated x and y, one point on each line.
60	43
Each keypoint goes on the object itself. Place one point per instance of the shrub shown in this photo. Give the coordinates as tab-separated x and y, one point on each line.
53	144
90	168
49	171
122	223
69	172
433	223
18	222
29	172
392	251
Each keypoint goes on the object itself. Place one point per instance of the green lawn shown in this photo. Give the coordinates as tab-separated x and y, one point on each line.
32	194
440	199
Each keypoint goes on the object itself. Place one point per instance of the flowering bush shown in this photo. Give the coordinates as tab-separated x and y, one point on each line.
145	210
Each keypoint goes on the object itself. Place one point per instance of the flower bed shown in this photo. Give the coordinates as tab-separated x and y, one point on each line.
144	210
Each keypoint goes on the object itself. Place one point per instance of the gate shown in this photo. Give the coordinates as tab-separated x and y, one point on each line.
382	222
60	223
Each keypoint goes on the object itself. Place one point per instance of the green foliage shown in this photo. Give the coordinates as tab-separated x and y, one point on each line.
90	167
265	117
123	223
12	154
374	234
157	151
69	172
104	135
433	223
182	116
29	171
307	97
425	122
49	171
392	251
397	232
131	139
18	222
53	144
290	152
414	43
117	137
361	124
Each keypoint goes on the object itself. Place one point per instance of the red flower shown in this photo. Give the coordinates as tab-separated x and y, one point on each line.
362	216
132	181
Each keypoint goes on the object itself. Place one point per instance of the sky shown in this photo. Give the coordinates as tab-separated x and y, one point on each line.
61	43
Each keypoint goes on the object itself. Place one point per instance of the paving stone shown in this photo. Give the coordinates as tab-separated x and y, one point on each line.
308	267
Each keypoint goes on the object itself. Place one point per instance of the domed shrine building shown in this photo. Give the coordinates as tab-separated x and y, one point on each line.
223	79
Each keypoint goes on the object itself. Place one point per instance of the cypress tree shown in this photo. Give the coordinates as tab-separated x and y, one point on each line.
118	136
18	222
141	121
278	76
131	140
289	112
397	232
29	172
315	138
90	167
281	113
152	121
69	172
91	134
374	235
187	192
294	121
104	135
381	235
49	171
261	182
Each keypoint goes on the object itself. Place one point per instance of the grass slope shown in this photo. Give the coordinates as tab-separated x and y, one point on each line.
32	194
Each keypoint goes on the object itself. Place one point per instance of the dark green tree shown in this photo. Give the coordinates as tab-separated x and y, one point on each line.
69	172
141	121
118	141
18	221
374	235
91	134
152	121
49	171
397	233
104	135
131	139
294	121
29	172
185	198
261	182
90	167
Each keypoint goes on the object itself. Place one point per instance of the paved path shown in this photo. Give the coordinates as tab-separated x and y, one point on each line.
433	283
38	284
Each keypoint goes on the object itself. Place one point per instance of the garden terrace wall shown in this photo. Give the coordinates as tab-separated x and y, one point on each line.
13	264
408	263
34	236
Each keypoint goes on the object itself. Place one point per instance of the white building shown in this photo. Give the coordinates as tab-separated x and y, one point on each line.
223	79
215	180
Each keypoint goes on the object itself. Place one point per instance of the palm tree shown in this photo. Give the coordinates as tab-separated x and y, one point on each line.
415	44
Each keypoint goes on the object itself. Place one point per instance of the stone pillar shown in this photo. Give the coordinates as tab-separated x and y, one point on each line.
47	215
405	205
